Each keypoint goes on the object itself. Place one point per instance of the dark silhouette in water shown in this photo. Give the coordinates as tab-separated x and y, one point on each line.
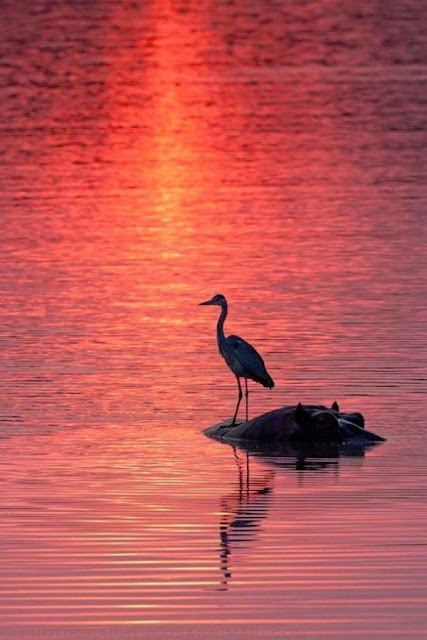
243	360
298	430
243	510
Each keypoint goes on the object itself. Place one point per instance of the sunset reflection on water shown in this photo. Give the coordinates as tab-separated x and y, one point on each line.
156	154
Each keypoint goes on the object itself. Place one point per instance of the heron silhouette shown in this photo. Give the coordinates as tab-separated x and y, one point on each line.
241	357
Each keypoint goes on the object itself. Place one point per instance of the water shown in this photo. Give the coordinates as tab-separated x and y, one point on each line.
155	154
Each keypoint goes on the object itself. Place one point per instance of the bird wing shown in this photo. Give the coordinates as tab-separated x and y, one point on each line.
250	360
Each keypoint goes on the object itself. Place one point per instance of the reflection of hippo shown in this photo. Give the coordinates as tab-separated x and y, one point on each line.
308	424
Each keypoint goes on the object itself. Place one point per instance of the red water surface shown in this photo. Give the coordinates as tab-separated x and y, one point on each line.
156	154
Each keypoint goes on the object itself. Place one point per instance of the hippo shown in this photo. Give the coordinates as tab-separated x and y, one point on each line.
297	426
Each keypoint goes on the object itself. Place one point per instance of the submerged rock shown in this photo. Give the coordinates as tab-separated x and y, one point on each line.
300	424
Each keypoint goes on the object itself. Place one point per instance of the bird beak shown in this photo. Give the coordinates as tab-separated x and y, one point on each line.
207	302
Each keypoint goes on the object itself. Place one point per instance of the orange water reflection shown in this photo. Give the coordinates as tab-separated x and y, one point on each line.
159	153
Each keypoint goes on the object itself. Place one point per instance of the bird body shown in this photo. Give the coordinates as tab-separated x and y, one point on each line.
245	361
240	356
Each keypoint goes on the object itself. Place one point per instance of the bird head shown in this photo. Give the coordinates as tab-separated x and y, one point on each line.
218	299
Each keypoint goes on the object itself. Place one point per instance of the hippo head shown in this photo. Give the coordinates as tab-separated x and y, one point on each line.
316	424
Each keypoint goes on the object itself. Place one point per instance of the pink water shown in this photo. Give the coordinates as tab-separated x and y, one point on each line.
155	154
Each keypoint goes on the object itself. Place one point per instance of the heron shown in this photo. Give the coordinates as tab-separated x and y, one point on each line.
240	356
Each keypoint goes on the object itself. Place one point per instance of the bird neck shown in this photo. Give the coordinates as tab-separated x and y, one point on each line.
220	336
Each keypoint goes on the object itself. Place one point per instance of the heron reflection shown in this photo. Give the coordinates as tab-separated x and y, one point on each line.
245	507
243	510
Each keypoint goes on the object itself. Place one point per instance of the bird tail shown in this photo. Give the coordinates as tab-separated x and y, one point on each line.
267	381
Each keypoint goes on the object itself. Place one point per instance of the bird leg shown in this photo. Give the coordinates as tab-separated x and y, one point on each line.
238	401
247	399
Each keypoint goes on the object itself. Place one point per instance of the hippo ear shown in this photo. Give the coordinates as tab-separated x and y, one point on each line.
335	406
301	415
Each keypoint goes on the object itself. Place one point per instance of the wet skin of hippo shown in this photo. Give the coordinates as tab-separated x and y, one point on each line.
297	424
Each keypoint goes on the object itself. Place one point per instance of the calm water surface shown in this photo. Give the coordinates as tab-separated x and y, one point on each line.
154	154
